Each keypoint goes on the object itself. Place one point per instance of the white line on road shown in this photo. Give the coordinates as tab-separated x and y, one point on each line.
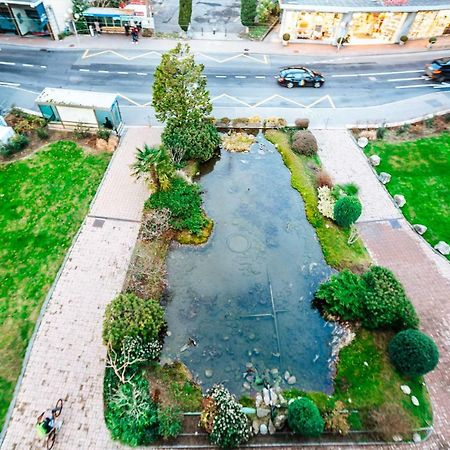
123	73
43	67
103	71
221	76
260	76
375	74
143	74
84	70
5	83
28	65
372	79
6	63
406	79
240	76
416	86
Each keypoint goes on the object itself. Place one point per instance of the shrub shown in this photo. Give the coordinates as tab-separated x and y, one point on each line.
381	132
237	142
304	143
403	129
184	14
266	9
130	316
336	420
325	202
248	12
416	128
80	131
371	135
341	190
389	420
323	179
103	133
184	202
302	124
286	37
230	427
42	133
130	415
413	353
170	425
429	123
404	38
239	121
275	122
347	210
224	120
15	144
342	296
385	303
304	418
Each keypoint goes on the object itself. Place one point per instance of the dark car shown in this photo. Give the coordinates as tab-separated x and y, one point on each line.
439	69
300	76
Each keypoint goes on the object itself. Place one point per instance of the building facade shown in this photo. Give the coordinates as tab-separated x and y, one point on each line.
364	21
34	17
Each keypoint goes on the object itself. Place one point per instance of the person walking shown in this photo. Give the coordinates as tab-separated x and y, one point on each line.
97	28
135	35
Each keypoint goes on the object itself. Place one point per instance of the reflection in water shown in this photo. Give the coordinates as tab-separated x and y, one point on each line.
245	297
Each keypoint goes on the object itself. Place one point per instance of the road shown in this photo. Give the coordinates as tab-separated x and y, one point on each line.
234	80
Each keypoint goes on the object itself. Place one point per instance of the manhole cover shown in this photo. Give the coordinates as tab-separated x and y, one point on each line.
238	243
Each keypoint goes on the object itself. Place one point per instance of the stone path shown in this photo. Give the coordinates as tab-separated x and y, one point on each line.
392	243
67	357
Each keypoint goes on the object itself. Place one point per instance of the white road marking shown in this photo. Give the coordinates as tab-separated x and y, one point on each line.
375	74
260	76
84	70
406	79
372	79
5	83
416	86
240	76
28	65
43	67
221	76
6	63
442	86
143	74
103	71
123	73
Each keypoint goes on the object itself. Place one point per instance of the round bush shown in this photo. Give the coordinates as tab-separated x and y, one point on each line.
131	316
305	143
302	124
304	418
413	353
347	209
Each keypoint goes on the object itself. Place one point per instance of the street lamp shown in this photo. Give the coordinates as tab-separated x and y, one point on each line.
70	17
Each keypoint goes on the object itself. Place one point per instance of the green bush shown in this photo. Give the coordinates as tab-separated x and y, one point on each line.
340	190
342	296
381	132
304	418
103	133
248	12
170	425
385	302
81	131
130	415
347	210
17	143
130	316
305	143
42	133
184	202
413	353
184	14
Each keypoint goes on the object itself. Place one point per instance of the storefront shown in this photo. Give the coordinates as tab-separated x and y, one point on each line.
24	18
364	21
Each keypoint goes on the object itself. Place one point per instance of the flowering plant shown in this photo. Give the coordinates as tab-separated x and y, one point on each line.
326	202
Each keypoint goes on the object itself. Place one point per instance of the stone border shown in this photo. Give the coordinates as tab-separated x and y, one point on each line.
45	304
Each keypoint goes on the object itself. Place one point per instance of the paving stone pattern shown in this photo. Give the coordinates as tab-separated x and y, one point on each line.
67	358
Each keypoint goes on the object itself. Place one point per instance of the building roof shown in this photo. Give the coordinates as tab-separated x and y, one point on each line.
366	5
82	99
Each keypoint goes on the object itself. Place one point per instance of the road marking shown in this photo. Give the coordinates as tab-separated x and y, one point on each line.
123	73
5	83
28	65
103	71
416	86
43	67
407	79
375	74
221	76
240	76
260	76
372	79
442	86
143	74
84	70
6	63
18	88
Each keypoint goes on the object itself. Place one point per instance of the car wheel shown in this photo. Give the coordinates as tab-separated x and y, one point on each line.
317	84
290	85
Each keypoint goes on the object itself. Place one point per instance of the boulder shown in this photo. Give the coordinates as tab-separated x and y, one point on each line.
397	438
258	399
272	429
292	380
286	375
384	177
255	426
363	141
420	229
263	429
208	373
405	389
416	438
375	160
442	247
281	400
101	145
414	400
246	385
279	421
399	200
262	412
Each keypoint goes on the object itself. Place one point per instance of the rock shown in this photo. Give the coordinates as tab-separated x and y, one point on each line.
399	200
397	438
363	141
266	399
258	400
366	363
246	385
384	177
101	145
208	373
113	140
292	380
281	400
252	336
416	438
442	247
286	375
274	371
262	412
272	429
414	400
279	421
375	160
263	429
405	389
249	365
255	426
420	229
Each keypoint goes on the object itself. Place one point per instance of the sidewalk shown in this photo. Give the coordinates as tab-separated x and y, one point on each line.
223	44
68	358
391	243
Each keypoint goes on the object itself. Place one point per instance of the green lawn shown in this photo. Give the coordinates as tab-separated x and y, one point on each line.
43	200
421	172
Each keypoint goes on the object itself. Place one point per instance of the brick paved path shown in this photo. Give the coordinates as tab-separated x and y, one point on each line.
67	358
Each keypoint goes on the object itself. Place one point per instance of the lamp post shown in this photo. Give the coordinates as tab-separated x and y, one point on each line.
70	17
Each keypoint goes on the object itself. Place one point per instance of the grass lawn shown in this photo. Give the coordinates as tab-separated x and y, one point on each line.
420	171
256	32
333	239
44	199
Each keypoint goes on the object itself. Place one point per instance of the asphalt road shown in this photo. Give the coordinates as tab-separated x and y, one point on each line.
234	80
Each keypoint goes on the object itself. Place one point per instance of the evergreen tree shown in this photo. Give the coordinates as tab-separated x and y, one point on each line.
248	12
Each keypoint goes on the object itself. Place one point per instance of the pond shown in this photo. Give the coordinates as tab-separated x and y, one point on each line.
239	308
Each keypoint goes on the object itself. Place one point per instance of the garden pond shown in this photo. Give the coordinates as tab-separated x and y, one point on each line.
239	308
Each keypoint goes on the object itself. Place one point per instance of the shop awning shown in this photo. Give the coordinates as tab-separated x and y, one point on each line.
365	5
107	12
32	4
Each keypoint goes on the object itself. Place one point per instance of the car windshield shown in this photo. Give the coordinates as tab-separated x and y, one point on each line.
435	66
291	72
442	61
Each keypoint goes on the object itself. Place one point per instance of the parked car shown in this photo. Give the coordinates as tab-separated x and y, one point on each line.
439	69
300	76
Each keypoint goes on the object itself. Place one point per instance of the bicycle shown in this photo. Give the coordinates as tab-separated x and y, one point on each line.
55	425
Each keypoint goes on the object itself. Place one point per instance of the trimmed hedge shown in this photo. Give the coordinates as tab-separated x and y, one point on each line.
248	12
347	210
184	14
304	418
413	353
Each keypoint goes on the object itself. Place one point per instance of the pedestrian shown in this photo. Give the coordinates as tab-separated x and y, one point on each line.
98	29
127	29
135	35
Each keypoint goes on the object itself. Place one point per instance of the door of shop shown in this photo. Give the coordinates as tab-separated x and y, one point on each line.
375	28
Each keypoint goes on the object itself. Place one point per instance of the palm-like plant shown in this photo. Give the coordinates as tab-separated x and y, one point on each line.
155	165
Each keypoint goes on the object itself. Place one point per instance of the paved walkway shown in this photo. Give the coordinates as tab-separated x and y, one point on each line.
67	357
391	243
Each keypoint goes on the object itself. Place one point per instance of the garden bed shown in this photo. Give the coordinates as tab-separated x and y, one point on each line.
44	201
